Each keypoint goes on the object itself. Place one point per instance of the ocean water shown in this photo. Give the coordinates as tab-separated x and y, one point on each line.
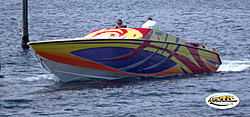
29	90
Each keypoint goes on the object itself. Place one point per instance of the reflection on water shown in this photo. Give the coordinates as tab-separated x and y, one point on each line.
118	83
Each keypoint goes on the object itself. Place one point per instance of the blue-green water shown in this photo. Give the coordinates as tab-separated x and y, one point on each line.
29	90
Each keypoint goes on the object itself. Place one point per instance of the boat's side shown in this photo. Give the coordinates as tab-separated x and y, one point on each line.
119	58
68	72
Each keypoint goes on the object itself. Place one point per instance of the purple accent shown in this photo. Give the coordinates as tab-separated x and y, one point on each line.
213	63
104	56
184	71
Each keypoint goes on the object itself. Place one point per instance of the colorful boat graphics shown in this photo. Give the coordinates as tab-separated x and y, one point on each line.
126	52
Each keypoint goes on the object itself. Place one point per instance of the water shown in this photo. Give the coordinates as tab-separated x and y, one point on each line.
29	90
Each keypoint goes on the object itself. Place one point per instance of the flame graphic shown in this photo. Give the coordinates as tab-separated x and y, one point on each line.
116	33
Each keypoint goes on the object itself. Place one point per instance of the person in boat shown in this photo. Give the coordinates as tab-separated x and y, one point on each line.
150	24
119	24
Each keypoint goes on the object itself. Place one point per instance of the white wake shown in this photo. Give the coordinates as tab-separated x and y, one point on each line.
228	65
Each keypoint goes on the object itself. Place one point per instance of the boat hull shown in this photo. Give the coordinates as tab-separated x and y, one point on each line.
103	58
112	62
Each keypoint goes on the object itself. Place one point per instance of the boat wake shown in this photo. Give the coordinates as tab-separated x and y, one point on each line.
228	65
41	77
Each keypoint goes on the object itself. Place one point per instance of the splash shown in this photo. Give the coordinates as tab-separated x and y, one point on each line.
228	65
41	77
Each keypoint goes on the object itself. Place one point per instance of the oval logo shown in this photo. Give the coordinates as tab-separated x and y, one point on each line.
222	100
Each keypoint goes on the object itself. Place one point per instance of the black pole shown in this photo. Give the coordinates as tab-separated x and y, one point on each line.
25	34
1	76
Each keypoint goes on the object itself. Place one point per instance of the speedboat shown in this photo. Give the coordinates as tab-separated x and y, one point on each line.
124	53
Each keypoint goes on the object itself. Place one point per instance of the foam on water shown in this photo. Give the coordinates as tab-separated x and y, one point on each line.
228	65
50	77
41	77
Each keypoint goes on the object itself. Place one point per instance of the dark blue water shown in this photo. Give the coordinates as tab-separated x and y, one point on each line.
29	90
